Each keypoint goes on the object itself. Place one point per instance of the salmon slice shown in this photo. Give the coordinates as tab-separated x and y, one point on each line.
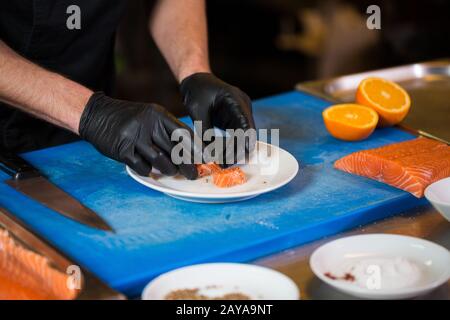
223	178
207	169
229	177
411	165
26	275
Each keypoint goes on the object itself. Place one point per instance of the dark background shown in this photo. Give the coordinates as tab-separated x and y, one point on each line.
267	46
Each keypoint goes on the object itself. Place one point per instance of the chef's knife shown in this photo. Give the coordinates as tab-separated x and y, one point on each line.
30	182
422	133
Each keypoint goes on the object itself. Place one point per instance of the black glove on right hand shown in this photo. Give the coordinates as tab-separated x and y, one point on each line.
217	104
137	134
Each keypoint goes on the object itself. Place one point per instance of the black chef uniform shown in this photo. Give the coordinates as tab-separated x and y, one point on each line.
38	30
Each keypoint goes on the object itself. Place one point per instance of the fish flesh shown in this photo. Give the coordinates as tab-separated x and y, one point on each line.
26	275
207	169
230	177
222	178
411	165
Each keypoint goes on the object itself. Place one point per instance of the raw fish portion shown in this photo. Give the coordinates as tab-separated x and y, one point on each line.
207	169
411	165
229	177
26	275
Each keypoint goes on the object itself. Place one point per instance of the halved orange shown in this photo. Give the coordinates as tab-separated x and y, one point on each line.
387	98
350	122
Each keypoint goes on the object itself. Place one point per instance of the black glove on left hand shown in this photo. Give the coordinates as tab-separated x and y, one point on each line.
216	103
138	134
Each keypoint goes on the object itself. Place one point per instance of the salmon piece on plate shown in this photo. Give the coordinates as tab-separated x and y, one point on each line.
411	165
222	178
229	177
207	169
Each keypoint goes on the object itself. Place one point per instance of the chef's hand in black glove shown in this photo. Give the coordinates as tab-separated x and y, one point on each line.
218	104
138	134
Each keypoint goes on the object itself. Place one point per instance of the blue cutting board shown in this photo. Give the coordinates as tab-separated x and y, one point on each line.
156	233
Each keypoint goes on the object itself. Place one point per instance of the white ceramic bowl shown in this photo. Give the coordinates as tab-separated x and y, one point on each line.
217	279
438	194
432	260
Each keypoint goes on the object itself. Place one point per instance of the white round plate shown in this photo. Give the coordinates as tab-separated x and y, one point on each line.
269	168
438	194
218	279
335	257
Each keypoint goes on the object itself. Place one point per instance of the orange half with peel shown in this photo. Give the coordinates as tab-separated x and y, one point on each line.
388	99
350	122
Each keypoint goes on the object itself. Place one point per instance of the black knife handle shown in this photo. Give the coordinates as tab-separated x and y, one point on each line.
17	167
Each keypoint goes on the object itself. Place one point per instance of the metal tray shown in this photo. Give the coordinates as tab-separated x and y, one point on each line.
92	288
427	83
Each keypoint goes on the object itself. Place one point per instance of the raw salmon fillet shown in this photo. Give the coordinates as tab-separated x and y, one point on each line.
411	165
229	177
26	275
207	169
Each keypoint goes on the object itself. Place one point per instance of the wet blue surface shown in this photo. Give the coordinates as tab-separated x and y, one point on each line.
156	233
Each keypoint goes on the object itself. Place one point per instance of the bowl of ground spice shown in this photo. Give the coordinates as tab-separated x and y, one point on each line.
221	281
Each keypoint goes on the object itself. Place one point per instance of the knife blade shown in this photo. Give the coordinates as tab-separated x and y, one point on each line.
29	181
422	133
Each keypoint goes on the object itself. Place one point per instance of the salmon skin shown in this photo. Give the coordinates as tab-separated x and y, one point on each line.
207	169
411	165
26	275
229	177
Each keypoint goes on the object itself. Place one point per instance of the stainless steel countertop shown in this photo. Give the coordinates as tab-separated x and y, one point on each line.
424	222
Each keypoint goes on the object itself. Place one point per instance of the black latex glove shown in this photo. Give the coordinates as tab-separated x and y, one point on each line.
218	104
137	134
